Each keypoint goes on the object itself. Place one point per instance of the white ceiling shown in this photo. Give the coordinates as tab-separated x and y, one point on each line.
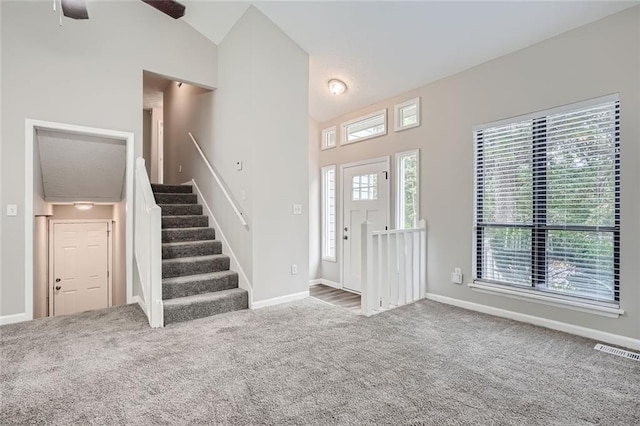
81	168
382	49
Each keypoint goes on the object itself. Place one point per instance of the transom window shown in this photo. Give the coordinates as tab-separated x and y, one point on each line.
329	138
407	114
364	187
547	201
367	127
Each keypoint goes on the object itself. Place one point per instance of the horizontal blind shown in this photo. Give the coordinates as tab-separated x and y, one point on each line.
547	205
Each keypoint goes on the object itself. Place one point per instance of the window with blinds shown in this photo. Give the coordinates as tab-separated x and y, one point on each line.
547	201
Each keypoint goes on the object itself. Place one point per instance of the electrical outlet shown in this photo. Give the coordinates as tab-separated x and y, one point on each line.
238	165
180	168
294	269
297	209
456	277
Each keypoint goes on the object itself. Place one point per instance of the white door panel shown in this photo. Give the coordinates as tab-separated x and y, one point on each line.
365	197
80	265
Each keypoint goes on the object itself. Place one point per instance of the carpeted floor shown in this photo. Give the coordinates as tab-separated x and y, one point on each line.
310	363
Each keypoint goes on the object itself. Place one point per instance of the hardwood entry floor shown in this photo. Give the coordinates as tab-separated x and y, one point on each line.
336	297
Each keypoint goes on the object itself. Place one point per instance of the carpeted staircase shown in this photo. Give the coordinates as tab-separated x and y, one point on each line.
196	280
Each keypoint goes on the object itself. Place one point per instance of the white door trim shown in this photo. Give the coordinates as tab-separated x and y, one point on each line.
30	127
340	183
50	278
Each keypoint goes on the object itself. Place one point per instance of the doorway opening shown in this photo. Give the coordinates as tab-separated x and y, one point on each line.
68	168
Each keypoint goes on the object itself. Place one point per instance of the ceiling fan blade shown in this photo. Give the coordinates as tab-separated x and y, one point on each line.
169	7
75	9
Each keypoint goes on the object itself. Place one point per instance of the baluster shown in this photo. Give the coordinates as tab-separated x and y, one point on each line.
402	270
408	258
415	240
393	269
383	262
423	259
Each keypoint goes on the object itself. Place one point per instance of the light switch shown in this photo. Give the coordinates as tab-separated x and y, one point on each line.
12	210
297	209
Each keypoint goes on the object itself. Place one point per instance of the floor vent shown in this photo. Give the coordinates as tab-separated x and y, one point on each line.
618	352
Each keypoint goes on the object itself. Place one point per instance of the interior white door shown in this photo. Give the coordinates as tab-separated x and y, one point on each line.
365	196
80	267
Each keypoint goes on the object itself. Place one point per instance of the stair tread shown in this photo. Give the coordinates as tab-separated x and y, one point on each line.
195	258
182	216
198	277
188	243
203	297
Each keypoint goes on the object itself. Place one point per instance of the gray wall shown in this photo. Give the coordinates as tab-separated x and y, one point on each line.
87	73
595	60
257	115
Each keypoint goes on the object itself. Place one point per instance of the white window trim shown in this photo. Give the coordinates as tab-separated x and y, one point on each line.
398	159
607	309
344	141
398	127
323	217
558	300
324	136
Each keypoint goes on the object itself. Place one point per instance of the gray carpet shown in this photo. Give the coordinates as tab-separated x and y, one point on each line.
310	363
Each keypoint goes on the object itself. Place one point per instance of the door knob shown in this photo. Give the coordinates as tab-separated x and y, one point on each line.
57	280
345	237
58	287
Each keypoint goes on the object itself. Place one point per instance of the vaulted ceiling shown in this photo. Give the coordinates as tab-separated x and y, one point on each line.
382	49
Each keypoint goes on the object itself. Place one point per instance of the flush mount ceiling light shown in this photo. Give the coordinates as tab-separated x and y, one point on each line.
337	87
83	206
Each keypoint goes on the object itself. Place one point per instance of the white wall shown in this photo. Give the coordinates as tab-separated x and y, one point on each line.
257	115
595	60
86	73
146	139
157	146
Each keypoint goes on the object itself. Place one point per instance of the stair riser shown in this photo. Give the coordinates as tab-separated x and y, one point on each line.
178	269
175	314
207	249
178	210
185	222
173	189
178	235
172	291
176	198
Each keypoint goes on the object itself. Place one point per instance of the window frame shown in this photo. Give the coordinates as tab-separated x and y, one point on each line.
344	140
399	201
325	205
398	127
323	138
539	227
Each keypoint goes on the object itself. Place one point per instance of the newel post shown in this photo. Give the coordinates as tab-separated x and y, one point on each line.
367	269
423	258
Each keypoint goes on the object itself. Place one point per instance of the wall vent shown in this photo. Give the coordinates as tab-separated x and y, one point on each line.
618	352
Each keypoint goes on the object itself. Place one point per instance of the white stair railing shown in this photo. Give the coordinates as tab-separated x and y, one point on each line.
148	246
394	267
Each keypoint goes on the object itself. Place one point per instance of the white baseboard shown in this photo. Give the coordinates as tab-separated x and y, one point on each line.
12	319
589	333
278	300
325	282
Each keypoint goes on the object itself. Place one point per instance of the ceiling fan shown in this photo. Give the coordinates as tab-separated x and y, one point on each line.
77	9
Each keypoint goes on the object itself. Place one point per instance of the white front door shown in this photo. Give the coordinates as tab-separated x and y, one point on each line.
80	265
365	196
